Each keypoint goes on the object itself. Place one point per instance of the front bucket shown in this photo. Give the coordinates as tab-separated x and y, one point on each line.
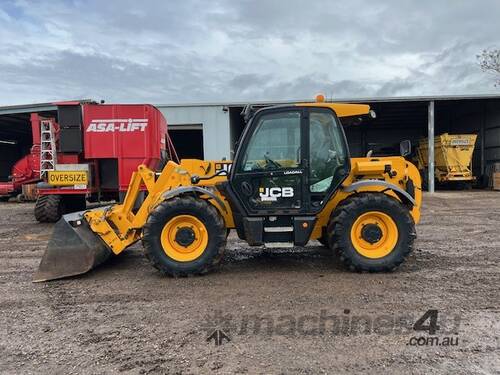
72	250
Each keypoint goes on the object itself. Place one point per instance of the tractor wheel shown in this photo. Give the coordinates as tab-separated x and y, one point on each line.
323	240
371	232
48	208
184	236
425	179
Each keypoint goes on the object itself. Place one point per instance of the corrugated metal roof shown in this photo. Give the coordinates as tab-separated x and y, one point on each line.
35	107
341	100
51	106
23	108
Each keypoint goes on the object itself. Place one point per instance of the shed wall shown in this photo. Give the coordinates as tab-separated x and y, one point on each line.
214	120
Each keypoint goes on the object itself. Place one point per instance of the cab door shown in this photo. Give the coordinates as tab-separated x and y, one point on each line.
270	173
328	157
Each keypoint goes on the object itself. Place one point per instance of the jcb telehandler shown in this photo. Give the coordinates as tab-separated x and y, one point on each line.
291	181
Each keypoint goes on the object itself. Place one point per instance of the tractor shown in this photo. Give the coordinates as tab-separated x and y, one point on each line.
291	181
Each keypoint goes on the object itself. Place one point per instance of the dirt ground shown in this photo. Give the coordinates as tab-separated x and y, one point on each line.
290	311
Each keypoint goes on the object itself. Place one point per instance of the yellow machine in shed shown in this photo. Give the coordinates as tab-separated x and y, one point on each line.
453	157
292	180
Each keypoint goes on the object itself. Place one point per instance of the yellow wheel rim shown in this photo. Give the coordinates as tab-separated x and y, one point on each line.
374	234
184	238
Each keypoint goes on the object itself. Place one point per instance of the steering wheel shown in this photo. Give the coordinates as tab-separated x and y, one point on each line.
270	161
332	154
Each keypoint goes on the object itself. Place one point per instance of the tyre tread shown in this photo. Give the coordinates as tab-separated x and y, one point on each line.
48	208
337	238
185	203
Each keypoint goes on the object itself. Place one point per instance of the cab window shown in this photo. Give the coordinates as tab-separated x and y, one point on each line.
275	143
328	154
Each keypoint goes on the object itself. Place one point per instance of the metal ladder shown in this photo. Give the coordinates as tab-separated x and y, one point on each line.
48	152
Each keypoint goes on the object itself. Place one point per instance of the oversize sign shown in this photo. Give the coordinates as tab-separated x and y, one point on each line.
67	178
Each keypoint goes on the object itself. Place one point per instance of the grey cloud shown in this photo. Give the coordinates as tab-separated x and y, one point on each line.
169	51
396	87
247	81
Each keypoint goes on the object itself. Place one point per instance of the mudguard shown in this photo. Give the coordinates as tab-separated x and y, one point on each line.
402	194
194	189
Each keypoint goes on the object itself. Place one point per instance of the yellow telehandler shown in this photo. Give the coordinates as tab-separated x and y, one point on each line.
292	180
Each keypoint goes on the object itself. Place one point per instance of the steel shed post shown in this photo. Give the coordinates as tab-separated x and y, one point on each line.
430	139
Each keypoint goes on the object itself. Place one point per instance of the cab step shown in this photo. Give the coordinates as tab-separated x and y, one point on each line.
278	229
273	245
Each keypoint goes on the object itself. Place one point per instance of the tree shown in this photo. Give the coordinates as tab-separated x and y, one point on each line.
489	61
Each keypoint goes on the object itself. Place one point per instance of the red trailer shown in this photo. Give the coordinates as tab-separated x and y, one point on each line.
87	152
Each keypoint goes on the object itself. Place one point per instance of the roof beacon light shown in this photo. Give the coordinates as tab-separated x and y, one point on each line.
320	98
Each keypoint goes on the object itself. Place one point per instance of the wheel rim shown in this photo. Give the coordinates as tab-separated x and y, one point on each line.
184	238
374	234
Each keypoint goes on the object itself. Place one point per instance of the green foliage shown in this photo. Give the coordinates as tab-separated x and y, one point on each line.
489	61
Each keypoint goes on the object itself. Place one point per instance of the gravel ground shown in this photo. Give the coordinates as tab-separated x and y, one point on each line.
290	311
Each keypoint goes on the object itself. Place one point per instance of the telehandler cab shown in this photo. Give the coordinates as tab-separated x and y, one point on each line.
291	181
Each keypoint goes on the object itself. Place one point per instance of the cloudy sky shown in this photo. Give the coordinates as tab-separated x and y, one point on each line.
168	51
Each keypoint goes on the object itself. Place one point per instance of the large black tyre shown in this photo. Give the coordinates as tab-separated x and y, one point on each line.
344	223
425	179
323	240
48	208
167	212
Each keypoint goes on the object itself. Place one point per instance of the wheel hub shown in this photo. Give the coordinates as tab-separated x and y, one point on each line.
374	234
371	233
185	236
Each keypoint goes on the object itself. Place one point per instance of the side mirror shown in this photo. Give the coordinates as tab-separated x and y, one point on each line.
405	147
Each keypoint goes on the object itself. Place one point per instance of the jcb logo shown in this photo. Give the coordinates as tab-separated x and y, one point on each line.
273	193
